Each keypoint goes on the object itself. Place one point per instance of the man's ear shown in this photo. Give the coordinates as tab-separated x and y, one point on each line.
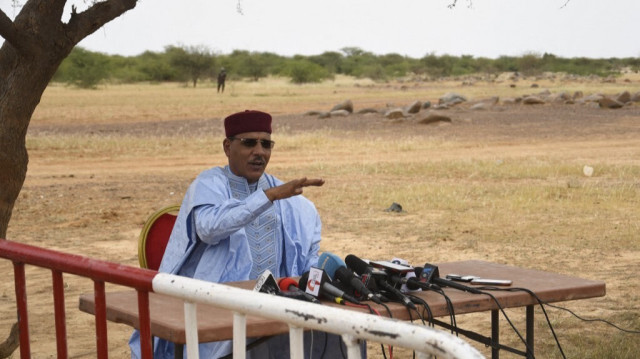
226	146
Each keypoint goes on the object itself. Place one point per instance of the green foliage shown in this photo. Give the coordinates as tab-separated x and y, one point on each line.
83	69
304	71
192	62
178	63
254	65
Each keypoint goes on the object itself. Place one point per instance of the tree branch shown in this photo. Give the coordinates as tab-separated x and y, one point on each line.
87	22
8	30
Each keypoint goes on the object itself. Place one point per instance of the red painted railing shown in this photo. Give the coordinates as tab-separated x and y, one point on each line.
97	270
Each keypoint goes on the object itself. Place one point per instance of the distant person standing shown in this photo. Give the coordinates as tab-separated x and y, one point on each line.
222	77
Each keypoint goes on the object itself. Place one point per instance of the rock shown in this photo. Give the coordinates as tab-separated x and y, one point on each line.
434	118
608	102
339	113
451	99
577	95
427	104
636	97
414	107
511	100
560	97
395	113
395	207
624	97
367	110
312	113
535	85
592	98
480	106
587	170
532	100
324	115
346	105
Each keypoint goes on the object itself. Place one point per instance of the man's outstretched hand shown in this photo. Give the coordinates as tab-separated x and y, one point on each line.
292	188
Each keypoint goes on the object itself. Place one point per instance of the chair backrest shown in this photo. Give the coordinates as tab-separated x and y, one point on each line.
155	235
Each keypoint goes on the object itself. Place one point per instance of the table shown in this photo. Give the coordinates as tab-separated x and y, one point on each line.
214	324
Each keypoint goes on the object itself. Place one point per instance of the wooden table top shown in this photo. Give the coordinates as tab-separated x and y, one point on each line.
167	313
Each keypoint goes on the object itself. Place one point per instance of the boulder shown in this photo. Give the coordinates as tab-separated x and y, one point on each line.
324	115
480	106
434	118
414	107
427	104
636	97
624	97
395	113
312	113
532	100
592	98
365	111
346	105
511	100
560	97
608	102
339	113
451	99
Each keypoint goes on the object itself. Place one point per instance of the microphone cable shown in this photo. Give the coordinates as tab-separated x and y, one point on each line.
480	291
543	303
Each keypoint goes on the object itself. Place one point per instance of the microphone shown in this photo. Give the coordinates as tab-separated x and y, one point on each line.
330	262
361	267
316	282
290	285
345	275
413	283
336	268
430	274
266	283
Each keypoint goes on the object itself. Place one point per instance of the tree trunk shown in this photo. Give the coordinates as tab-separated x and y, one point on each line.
35	44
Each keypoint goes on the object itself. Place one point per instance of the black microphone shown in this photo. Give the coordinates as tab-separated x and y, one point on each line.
430	274
361	267
413	283
266	283
317	282
289	285
345	275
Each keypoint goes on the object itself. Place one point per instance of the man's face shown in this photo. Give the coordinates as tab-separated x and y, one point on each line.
246	159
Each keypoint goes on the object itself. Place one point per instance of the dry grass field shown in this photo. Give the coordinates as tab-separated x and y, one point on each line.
505	184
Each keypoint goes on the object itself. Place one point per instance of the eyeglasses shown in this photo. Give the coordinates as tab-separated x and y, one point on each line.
252	142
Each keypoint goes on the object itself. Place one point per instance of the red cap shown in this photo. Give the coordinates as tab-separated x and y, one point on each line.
247	121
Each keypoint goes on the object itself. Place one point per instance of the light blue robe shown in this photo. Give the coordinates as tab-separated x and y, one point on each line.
227	256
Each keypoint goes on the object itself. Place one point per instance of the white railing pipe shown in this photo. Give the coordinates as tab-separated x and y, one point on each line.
330	319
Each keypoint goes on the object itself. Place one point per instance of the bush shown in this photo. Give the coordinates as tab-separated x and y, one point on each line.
304	71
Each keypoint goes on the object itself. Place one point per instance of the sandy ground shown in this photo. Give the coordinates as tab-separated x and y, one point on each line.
97	208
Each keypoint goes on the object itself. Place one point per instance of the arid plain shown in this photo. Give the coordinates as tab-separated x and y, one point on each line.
505	184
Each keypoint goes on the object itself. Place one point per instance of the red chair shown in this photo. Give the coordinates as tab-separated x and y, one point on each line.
155	235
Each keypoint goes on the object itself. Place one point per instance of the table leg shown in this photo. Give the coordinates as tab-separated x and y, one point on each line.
178	351
530	340
495	334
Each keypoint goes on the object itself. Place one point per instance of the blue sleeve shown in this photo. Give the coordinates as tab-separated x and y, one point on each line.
214	222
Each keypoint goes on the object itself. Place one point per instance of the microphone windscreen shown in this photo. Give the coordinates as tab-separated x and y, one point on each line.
330	263
287	282
357	265
344	274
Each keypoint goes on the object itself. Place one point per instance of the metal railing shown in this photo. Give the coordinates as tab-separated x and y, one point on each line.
300	315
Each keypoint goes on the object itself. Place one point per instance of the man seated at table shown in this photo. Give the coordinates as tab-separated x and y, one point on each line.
237	221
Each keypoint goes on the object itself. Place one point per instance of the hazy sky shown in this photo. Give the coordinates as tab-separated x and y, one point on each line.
489	28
